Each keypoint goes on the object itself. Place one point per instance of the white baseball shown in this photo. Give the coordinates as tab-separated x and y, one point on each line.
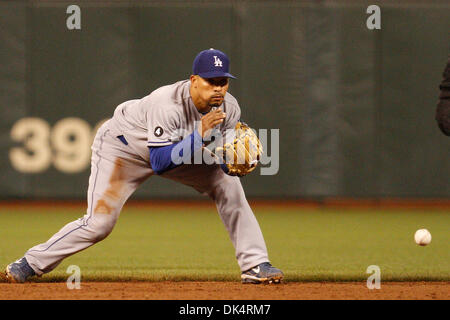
422	237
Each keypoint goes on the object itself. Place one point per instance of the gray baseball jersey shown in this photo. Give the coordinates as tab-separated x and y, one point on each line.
165	116
118	167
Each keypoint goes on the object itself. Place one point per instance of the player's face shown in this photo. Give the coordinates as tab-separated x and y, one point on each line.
210	92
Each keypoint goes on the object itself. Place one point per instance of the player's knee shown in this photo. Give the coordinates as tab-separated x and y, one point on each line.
102	233
229	190
100	226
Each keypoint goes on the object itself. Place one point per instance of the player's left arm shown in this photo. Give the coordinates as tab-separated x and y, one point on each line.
241	147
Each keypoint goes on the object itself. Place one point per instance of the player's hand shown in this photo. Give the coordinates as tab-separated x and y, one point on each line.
210	120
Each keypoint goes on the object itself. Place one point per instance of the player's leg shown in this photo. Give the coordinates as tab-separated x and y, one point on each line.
244	231
237	216
115	174
240	222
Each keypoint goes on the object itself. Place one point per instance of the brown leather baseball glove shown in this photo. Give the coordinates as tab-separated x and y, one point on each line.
241	156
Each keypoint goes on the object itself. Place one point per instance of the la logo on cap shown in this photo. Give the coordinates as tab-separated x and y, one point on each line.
211	63
217	62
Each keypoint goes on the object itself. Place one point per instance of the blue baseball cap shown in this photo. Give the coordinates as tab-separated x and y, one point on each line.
212	63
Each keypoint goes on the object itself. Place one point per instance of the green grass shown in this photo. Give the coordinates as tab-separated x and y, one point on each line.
192	244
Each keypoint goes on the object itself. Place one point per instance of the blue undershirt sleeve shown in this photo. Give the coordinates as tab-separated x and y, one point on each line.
161	158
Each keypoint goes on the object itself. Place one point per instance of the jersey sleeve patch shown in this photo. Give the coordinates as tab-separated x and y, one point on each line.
158	131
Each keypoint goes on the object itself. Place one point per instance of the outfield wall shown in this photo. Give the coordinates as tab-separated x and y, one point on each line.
354	106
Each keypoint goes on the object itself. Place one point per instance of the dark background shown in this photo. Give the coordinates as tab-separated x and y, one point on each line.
355	107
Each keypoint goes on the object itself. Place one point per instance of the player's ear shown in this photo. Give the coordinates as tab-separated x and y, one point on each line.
193	79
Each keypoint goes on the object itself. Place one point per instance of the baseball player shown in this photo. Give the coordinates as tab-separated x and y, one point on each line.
443	107
139	141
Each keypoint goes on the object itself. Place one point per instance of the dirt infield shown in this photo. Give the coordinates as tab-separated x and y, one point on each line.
225	291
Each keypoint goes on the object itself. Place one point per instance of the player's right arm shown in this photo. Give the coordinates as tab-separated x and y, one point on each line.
210	120
167	157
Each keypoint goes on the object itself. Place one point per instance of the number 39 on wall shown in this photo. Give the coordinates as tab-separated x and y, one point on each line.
67	145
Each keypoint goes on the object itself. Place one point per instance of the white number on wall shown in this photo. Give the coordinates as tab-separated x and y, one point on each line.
67	145
35	155
71	142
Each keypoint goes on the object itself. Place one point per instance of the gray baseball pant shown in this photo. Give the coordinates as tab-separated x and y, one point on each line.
116	172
